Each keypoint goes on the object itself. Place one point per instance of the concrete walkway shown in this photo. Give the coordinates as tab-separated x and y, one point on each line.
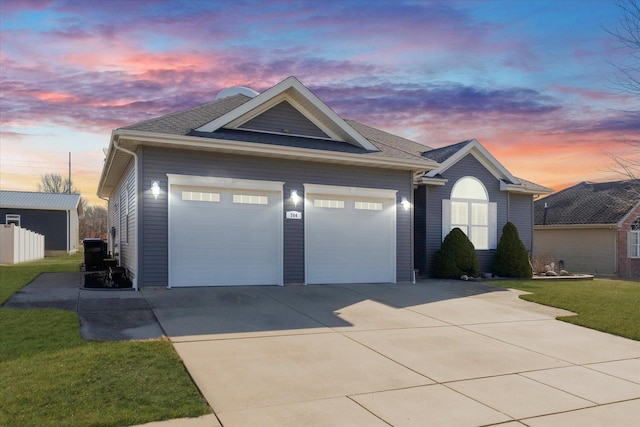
435	353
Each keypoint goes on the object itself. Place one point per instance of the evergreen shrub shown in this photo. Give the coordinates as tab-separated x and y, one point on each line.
511	258
457	257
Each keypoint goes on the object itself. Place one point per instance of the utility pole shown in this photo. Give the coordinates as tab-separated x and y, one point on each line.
69	182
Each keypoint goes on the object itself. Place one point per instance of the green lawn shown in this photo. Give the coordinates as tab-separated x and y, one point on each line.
611	306
50	376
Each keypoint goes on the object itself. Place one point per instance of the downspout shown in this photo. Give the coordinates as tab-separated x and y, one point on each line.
109	238
134	282
68	231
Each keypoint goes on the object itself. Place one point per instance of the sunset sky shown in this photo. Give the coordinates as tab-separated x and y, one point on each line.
533	81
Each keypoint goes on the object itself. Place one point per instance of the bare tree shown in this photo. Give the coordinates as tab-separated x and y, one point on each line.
54	183
628	35
627	79
94	222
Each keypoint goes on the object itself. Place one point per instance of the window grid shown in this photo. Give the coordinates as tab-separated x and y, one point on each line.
634	239
331	204
470	211
250	199
200	196
369	206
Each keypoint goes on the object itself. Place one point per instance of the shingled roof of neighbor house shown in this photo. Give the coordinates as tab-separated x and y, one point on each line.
589	203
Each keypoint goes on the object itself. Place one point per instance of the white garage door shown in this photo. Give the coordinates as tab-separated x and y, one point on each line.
350	235
222	236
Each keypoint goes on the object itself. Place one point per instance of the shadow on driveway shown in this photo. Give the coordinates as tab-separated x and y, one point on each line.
189	313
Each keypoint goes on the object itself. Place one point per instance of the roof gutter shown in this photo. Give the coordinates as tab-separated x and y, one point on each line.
575	226
134	281
257	149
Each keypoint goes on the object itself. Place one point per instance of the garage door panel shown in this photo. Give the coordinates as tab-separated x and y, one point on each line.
349	245
225	243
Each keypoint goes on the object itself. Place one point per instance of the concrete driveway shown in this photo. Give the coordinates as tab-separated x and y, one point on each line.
432	354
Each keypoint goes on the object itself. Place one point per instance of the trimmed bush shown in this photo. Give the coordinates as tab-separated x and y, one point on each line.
511	258
456	257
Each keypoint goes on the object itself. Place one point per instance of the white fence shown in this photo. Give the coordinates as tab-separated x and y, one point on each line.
19	244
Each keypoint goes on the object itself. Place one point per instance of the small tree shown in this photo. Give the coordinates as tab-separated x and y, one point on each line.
457	257
511	258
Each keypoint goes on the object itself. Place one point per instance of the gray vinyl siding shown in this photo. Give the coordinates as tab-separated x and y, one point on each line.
521	215
122	206
420	228
284	118
156	163
467	166
52	224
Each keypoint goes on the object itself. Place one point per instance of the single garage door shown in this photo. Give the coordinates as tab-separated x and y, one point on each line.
221	236
350	235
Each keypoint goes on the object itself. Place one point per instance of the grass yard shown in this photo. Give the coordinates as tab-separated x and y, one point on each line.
611	306
51	376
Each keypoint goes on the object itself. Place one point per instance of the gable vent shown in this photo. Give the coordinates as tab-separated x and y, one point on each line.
235	90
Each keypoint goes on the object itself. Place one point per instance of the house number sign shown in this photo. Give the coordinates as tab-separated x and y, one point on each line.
294	215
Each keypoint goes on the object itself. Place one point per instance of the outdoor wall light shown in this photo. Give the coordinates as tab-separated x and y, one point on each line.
294	197
155	189
405	204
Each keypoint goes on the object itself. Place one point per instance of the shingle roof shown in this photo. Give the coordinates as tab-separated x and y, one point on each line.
533	186
589	203
443	153
183	122
47	201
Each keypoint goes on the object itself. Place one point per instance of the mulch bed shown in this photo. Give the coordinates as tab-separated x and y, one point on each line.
101	281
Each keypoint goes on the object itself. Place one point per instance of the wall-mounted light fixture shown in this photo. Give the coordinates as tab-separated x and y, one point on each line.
155	189
295	198
405	203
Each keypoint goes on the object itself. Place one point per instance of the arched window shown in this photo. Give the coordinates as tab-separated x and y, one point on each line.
469	209
633	239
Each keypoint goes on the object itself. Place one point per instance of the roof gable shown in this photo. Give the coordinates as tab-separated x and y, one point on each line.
450	155
284	118
310	110
589	203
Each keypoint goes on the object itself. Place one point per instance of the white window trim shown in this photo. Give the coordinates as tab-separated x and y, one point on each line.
633	248
492	210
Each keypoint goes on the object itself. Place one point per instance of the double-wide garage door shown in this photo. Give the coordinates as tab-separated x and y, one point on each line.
230	232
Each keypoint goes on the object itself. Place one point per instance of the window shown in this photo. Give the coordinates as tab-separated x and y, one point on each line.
469	209
250	199
633	239
200	196
369	206
332	204
12	219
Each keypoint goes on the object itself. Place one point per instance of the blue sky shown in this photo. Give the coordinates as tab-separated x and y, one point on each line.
533	81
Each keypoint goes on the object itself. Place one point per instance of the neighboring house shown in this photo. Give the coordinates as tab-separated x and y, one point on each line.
55	216
591	228
276	188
